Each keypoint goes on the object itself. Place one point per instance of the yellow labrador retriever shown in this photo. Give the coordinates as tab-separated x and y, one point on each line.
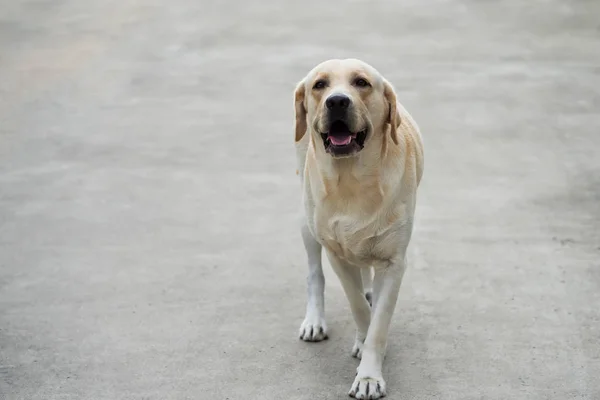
360	159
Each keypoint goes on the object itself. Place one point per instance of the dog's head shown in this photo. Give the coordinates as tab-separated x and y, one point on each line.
344	104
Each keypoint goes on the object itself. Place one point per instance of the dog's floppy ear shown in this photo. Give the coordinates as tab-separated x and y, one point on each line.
393	116
300	107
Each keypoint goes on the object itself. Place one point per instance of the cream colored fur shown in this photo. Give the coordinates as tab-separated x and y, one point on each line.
359	208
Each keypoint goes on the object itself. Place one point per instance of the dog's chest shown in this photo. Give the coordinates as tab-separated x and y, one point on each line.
351	238
351	219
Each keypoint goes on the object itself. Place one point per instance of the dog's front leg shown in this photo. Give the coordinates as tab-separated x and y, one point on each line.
352	282
369	382
314	328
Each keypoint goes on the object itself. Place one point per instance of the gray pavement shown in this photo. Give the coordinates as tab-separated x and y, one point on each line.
149	207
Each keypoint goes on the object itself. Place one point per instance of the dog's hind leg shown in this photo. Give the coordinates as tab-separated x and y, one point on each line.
352	282
314	328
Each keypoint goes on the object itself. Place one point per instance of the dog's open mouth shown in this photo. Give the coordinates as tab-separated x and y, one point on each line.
340	141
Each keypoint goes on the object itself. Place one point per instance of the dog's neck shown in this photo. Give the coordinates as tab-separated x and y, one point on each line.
367	162
351	176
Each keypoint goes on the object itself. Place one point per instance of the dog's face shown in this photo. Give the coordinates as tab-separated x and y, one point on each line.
345	103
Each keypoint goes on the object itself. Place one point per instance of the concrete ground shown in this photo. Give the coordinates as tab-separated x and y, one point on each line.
149	207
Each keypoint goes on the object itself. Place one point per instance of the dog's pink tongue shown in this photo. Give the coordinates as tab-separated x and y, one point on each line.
340	140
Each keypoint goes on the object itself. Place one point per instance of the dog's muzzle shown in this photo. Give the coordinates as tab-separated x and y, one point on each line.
340	140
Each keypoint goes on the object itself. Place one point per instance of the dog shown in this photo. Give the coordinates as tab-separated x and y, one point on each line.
360	162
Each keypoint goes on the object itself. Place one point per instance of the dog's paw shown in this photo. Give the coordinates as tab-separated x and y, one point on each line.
313	329
367	388
357	349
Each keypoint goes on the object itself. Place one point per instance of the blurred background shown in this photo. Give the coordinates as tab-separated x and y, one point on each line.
149	207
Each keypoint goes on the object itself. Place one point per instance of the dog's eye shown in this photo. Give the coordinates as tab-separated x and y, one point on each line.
320	84
360	82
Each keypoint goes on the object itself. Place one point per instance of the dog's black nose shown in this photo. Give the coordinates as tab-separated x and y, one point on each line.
337	102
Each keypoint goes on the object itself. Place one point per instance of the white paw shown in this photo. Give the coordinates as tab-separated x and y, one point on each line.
357	349
313	329
367	388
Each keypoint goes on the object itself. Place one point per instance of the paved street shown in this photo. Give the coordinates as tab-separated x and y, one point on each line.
149	206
